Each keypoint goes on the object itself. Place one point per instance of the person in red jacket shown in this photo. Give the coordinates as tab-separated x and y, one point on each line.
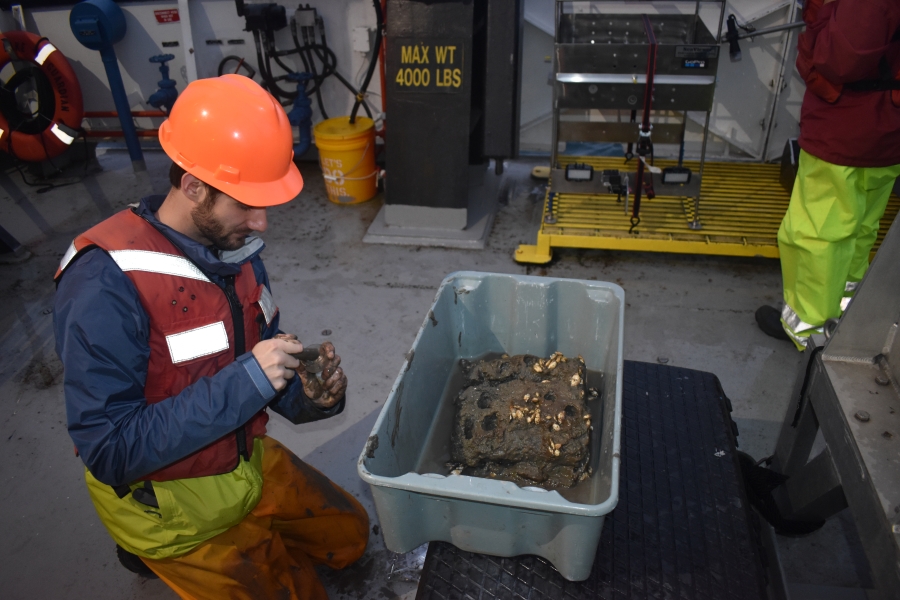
168	331
849	57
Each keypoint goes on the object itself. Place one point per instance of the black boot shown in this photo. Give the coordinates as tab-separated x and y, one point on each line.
769	320
133	563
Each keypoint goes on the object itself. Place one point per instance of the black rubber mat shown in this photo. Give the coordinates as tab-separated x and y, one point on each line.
682	529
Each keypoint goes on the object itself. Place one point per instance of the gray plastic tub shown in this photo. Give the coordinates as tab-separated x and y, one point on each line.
474	314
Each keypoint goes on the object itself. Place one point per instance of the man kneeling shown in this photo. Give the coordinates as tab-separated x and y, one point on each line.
168	332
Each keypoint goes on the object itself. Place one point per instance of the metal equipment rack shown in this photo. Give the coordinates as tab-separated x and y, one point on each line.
658	66
611	61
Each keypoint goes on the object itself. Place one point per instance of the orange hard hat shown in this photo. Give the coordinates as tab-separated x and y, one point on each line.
233	135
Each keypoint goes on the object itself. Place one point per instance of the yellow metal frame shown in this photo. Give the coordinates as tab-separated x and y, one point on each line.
741	206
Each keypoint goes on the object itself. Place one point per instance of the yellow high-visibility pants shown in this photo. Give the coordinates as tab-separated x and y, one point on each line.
302	519
825	238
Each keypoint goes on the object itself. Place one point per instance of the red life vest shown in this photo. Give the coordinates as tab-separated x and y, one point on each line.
191	328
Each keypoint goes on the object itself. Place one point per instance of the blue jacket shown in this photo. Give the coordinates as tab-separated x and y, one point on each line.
102	334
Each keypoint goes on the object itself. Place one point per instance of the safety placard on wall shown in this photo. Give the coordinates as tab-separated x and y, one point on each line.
168	15
425	66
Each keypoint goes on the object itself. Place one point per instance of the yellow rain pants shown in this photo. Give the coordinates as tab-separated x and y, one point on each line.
825	238
302	519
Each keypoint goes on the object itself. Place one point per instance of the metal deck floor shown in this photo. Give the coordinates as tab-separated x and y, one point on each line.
741	207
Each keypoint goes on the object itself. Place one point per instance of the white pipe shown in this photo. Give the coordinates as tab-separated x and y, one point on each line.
187	39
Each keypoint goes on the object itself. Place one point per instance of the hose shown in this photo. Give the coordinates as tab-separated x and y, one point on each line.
303	51
333	71
264	69
319	79
333	66
361	96
240	63
308	52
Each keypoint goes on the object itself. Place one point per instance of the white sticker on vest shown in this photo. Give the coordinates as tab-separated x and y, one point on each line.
267	304
198	342
157	262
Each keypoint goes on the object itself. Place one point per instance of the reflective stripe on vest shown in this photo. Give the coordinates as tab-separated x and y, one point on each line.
144	260
157	262
71	251
267	304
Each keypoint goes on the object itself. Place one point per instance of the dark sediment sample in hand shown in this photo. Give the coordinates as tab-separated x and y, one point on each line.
523	419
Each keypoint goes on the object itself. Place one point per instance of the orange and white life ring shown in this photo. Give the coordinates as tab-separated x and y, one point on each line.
42	122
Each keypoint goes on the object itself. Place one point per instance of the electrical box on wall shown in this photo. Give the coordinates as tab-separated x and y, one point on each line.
361	39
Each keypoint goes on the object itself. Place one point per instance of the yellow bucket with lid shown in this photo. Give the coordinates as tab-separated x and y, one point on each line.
347	159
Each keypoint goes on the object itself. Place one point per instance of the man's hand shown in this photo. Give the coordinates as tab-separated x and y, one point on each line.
274	356
328	388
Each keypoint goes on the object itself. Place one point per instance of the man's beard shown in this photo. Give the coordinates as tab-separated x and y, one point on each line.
212	229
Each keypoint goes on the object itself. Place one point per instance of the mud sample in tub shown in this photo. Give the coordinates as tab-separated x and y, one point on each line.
523	419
